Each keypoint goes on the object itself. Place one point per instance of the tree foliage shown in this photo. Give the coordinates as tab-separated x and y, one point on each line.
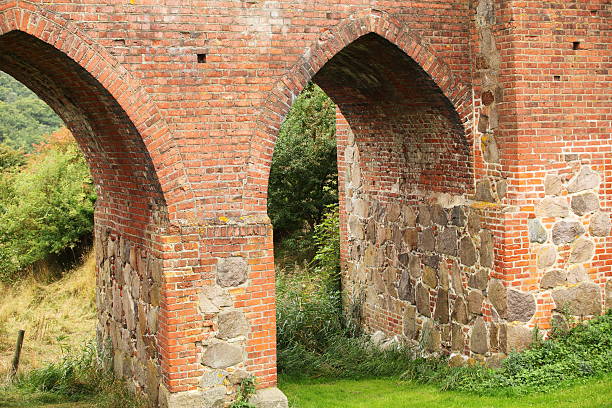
24	118
46	206
304	174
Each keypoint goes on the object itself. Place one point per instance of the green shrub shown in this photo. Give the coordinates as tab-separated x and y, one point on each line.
304	174
327	242
10	159
46	207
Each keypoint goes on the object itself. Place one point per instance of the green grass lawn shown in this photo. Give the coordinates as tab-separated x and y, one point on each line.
391	393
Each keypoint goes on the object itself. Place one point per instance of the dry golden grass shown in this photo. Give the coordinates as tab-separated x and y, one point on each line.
56	316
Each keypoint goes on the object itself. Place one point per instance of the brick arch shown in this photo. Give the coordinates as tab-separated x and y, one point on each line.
331	42
70	41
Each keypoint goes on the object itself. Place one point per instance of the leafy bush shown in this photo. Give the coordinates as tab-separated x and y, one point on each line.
304	174
10	159
327	241
46	207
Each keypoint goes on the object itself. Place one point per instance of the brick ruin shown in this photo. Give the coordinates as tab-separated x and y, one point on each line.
474	156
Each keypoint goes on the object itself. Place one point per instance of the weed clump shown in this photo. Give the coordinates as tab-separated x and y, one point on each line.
80	376
568	356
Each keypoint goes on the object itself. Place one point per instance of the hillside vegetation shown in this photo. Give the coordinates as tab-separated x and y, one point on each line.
24	118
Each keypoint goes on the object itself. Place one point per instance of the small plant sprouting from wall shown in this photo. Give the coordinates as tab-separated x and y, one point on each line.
245	391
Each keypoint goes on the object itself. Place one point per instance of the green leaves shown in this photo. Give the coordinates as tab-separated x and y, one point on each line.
44	208
24	118
304	173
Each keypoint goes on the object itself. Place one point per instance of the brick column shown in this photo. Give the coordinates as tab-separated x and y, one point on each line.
219	324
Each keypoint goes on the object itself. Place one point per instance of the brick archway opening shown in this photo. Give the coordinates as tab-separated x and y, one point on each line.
404	160
405	169
129	210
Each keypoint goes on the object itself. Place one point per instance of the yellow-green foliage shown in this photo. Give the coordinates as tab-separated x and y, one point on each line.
45	207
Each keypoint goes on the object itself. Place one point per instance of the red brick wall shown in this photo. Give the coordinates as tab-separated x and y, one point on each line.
558	119
177	105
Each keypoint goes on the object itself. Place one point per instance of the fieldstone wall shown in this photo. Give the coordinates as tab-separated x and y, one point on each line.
568	236
128	298
426	272
423	272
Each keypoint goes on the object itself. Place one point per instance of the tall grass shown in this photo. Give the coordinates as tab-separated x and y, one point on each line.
83	375
55	316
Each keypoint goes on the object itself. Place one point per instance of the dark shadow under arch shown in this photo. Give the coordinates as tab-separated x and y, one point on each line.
406	128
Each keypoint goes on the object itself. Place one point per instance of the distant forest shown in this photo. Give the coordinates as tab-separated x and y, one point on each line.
24	118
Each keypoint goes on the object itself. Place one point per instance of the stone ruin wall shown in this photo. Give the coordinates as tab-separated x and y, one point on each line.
128	299
423	267
568	239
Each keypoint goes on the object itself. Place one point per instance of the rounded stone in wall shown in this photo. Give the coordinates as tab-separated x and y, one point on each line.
553	207
479	338
356	227
546	256
586	179
457	338
457	283
408	216
222	355
582	300
517	337
426	240
232	323
409	321
521	306
553	279
360	207
553	185
232	271
565	232
414	266
457	217
497	295
460	311
582	251
479	279
422	300
424	217
438	215
600	224
447	242
467	251
473	223
576	274
430	276
441	313
475	299
486	249
443	275
393	213
585	203
537	232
